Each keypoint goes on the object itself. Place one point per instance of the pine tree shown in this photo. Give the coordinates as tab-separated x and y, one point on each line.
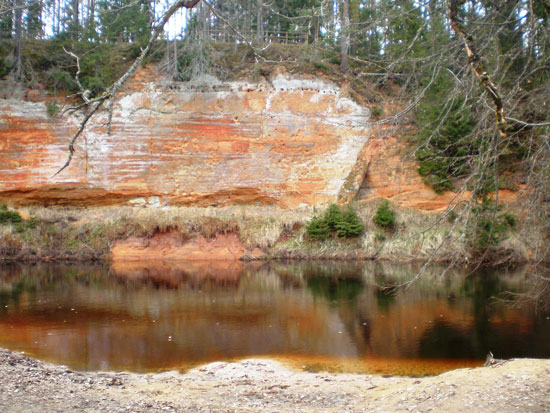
33	19
318	229
6	20
333	216
384	216
350	224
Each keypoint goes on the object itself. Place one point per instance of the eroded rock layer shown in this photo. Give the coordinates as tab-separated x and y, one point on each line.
289	141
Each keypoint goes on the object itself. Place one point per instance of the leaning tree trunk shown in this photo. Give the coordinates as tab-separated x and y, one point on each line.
474	60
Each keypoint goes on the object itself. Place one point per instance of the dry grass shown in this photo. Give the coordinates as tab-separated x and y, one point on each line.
88	234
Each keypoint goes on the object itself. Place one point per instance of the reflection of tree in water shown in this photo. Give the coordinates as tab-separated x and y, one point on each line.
445	341
536	293
341	284
386	289
494	328
385	298
334	282
17	279
335	289
482	291
11	296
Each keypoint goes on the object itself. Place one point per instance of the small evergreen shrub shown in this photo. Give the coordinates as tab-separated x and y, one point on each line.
9	216
490	232
377	111
384	216
343	224
335	60
350	224
31	223
333	216
510	219
62	80
492	227
52	108
321	66
318	229
451	217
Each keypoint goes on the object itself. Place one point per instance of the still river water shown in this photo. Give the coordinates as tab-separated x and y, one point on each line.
156	316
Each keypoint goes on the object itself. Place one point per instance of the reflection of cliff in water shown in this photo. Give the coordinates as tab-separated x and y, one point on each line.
147	316
437	317
175	274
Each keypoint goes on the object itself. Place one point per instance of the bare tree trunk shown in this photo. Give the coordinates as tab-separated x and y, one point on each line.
204	21
260	22
91	18
75	19
18	57
53	8
344	36
175	64
331	23
248	21
57	29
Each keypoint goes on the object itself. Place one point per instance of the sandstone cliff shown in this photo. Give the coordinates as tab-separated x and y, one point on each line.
289	141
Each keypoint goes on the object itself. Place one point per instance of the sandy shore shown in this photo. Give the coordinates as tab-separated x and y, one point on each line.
28	385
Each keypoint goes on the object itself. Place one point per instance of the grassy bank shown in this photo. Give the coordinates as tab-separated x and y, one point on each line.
65	234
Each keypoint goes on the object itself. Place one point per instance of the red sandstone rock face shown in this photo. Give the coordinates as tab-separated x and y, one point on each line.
390	171
290	142
169	246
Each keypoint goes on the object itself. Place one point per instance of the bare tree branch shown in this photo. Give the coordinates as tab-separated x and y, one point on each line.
527	124
115	87
257	55
85	93
413	104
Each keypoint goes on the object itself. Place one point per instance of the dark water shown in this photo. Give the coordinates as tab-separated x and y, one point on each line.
336	317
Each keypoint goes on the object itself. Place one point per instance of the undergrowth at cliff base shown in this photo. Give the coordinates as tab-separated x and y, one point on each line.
88	234
70	234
